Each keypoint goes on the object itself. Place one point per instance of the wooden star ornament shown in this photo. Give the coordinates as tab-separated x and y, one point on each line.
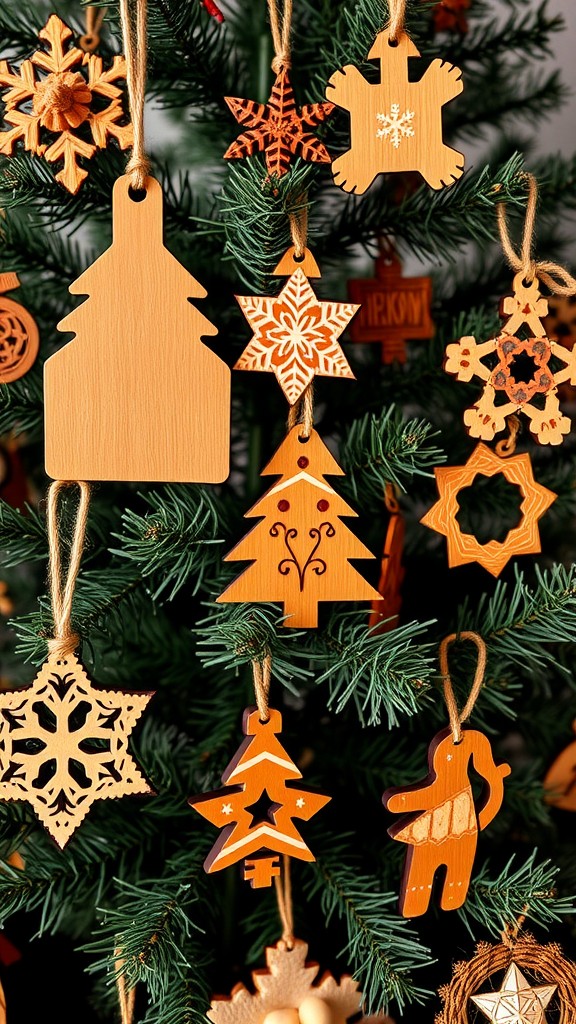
277	129
517	1002
64	744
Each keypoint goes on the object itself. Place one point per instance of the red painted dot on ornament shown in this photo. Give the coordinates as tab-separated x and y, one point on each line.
303	462
283	505
323	505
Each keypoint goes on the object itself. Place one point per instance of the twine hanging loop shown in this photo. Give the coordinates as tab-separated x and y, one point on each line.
280	26
283	885
91	39
134	16
65	641
262	672
397	19
126	996
456	717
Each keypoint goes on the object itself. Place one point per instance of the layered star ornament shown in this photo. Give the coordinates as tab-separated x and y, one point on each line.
523	539
64	744
517	1002
295	335
277	129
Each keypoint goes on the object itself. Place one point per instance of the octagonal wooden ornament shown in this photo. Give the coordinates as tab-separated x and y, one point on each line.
523	539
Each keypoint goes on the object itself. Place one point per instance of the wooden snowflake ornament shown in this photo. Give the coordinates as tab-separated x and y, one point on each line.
257	808
72	113
295	333
64	744
396	124
300	550
277	129
523	539
19	340
522	378
289	992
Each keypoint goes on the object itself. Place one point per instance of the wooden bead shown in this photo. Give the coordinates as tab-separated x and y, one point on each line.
315	1011
286	1016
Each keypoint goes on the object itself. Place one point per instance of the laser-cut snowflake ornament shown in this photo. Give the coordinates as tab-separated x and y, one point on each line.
523	378
64	744
62	115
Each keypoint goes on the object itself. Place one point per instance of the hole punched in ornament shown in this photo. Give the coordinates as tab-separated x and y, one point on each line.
489	508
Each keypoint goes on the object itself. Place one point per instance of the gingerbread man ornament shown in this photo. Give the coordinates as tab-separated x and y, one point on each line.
395	124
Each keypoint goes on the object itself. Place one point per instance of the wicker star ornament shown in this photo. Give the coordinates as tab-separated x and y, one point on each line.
517	1002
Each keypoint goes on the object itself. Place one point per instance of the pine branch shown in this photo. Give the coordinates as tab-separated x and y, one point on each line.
22	535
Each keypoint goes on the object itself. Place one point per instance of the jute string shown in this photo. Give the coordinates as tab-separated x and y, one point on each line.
126	996
555	277
397	18
94	18
283	885
303	412
280	26
512	931
507	446
133	15
262	671
456	717
391	498
62	585
299	226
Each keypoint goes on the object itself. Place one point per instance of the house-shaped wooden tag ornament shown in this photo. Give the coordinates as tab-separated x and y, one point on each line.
136	395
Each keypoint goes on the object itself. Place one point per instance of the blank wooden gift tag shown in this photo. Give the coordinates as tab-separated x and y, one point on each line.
136	395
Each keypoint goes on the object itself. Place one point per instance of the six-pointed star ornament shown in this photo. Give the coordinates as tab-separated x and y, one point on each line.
523	539
277	129
517	1002
296	334
64	744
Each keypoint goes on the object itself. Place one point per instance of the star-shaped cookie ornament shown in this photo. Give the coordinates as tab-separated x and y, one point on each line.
277	129
64	744
517	1002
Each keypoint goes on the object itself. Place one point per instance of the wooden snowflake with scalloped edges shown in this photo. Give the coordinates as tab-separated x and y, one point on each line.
63	115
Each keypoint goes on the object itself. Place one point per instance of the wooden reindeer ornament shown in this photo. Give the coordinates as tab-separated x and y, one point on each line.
19	339
442	821
300	551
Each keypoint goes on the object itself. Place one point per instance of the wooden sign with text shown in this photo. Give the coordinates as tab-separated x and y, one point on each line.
393	309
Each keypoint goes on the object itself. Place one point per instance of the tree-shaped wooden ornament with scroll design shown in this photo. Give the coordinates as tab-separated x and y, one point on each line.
300	550
463	548
257	807
137	396
64	744
395	124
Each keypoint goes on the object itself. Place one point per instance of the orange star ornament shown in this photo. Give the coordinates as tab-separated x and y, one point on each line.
524	539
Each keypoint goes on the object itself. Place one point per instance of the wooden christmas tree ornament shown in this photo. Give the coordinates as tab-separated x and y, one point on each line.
395	124
560	781
257	807
18	334
112	410
385	613
300	551
393	309
522	378
295	334
523	539
64	744
70	117
537	985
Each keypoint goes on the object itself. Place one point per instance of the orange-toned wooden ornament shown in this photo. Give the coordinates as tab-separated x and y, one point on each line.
19	339
288	991
560	780
277	129
393	308
385	613
523	378
301	549
136	395
64	744
66	121
295	334
560	325
256	808
396	124
442	822
524	539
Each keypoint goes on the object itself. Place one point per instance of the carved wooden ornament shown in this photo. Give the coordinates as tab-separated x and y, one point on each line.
560	781
19	339
396	124
295	334
385	613
256	808
442	822
64	744
517	1000
277	129
524	539
393	309
288	991
136	395
523	378
67	120
300	550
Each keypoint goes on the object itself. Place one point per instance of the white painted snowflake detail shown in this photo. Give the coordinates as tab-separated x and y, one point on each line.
395	126
226	809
